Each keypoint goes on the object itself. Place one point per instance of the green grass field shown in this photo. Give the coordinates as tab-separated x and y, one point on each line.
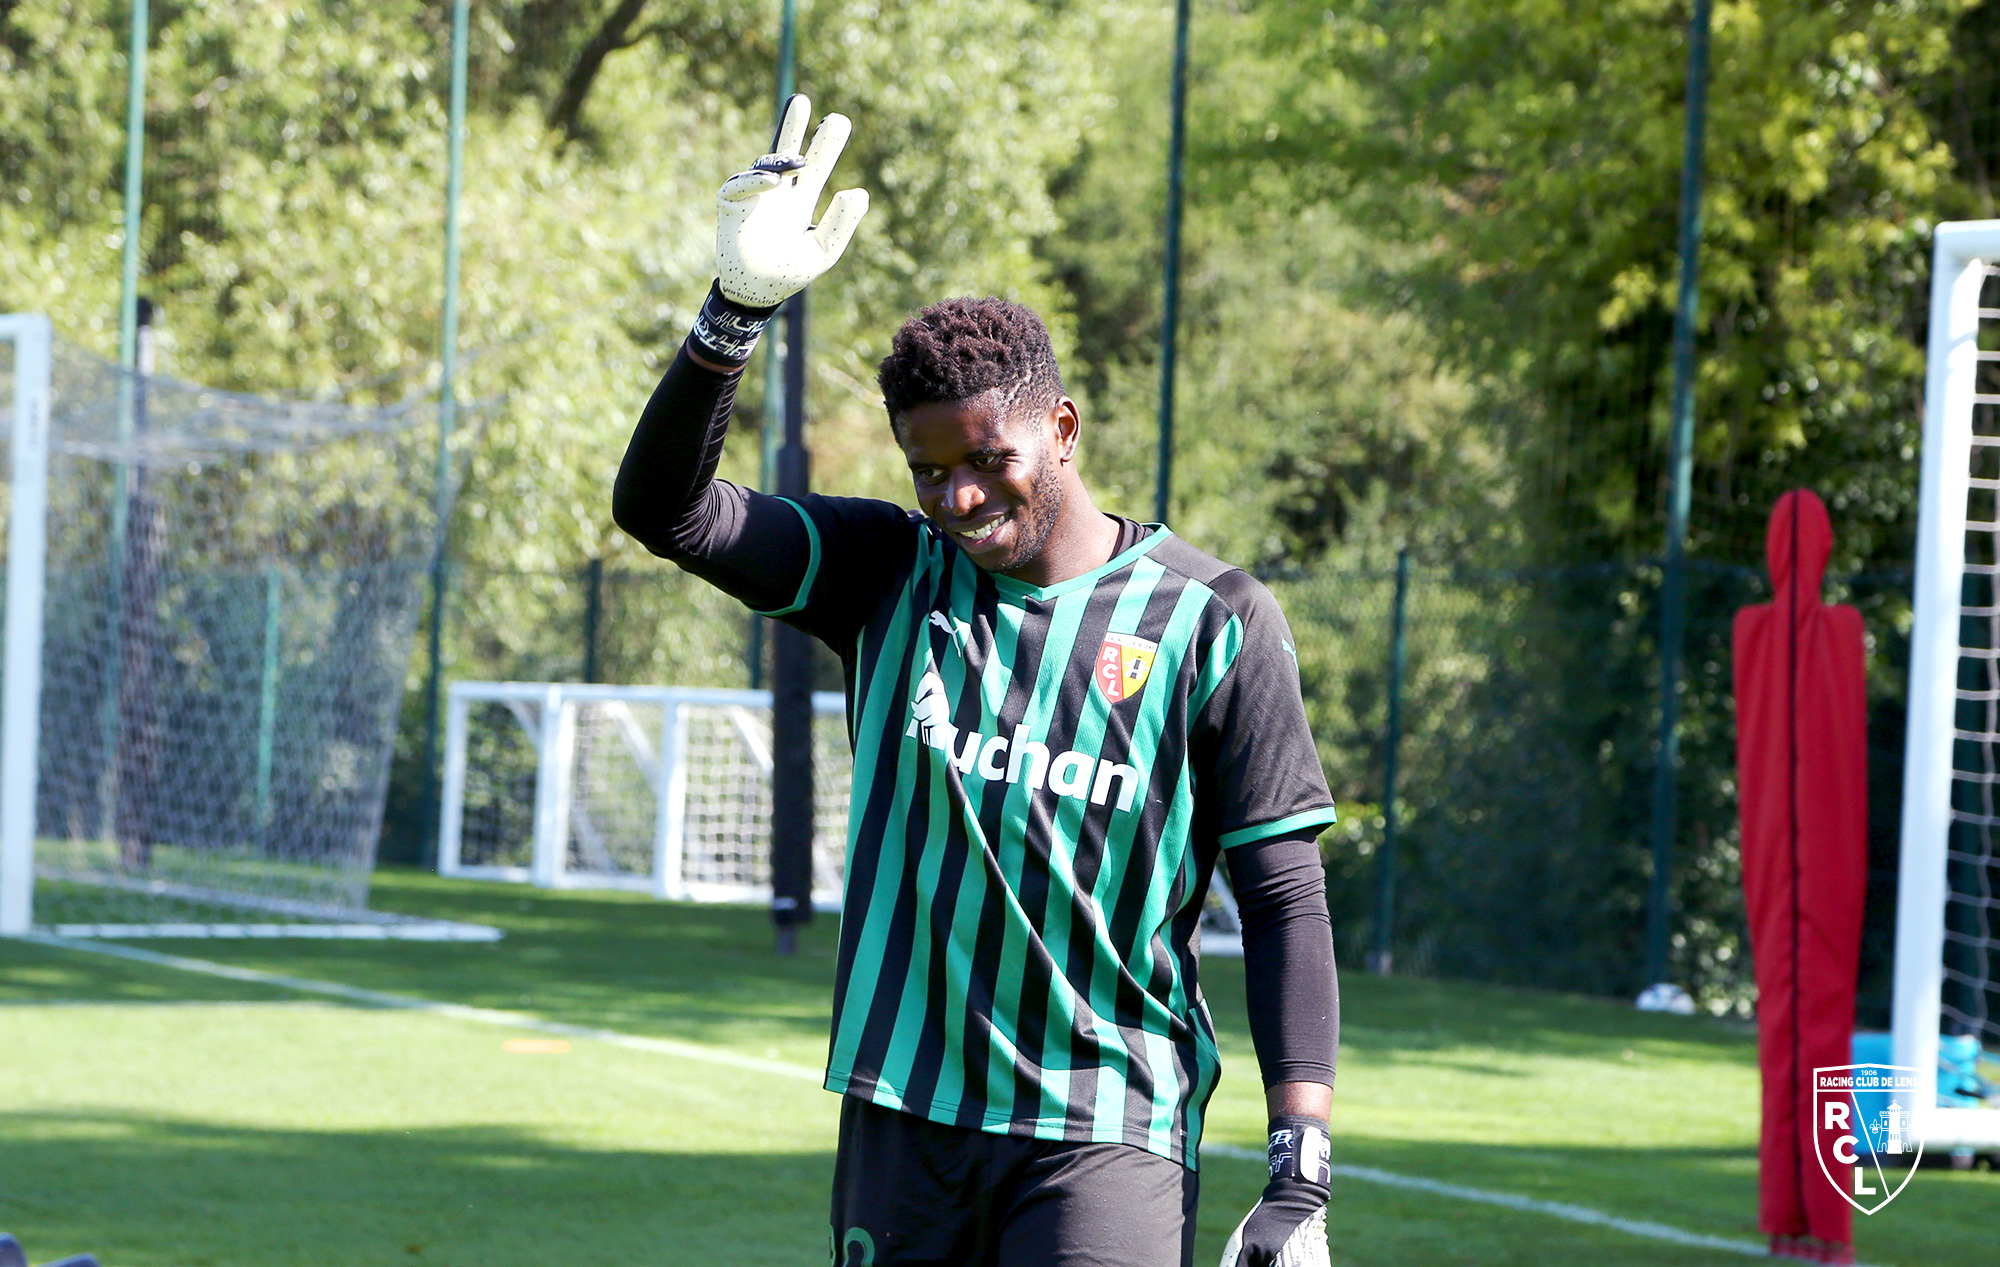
163	1118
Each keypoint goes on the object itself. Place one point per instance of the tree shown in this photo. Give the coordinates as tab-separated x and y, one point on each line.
1530	152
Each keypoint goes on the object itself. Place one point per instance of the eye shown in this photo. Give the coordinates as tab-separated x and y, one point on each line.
926	474
989	462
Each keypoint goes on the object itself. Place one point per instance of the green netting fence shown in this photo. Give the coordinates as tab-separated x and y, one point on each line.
1529	740
1527	745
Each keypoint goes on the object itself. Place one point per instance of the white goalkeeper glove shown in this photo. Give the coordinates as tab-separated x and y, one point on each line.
767	248
1287	1228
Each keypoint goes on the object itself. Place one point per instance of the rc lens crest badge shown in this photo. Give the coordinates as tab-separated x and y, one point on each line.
1123	665
1864	1131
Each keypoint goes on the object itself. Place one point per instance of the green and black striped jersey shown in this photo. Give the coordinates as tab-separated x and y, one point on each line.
1043	778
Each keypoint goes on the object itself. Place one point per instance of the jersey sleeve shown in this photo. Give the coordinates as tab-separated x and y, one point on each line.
1256	769
857	550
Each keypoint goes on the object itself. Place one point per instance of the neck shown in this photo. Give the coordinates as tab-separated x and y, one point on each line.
1084	538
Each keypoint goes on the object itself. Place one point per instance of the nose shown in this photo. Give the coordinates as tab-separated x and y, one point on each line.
964	494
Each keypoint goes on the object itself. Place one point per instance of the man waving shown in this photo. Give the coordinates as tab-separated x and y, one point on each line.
1060	720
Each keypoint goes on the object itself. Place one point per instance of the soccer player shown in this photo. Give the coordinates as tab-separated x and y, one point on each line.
1060	719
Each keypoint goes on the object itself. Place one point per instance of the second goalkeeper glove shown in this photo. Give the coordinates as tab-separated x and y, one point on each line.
1288	1226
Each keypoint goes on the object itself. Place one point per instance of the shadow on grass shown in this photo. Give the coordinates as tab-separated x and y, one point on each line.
158	1192
154	1191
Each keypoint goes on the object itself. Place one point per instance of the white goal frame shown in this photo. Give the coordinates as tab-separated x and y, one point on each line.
27	549
555	750
1964	251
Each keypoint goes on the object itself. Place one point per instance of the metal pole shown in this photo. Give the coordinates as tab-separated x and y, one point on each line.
791	682
135	752
135	171
1680	471
593	618
774	353
774	428
128	356
447	419
1170	305
1382	959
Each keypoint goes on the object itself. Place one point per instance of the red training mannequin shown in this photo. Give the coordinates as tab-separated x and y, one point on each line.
1802	767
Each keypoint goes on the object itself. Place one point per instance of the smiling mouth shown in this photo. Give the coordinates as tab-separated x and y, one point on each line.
981	534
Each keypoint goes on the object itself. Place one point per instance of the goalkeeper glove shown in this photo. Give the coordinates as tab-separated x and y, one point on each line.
767	248
1288	1226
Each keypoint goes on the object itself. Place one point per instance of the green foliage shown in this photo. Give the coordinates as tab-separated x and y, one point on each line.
1310	423
1528	153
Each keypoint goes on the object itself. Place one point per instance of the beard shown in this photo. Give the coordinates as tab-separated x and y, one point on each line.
1038	515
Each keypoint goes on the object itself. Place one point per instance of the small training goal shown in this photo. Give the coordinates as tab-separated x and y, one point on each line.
657	789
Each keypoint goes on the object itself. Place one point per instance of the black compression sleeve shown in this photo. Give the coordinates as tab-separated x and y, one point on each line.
667	497
1290	980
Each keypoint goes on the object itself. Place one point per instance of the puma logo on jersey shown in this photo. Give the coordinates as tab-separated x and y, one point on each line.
1016	758
959	630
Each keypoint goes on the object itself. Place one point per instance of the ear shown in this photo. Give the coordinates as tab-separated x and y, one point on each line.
1068	424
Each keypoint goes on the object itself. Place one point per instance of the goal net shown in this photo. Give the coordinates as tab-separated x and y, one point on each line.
1948	915
663	790
211	601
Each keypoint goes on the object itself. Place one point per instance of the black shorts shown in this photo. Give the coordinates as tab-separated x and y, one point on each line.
908	1190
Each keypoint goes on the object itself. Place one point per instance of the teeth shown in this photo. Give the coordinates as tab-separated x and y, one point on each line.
980	534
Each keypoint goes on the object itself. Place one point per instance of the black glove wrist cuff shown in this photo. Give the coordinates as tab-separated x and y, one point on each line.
726	331
1299	1150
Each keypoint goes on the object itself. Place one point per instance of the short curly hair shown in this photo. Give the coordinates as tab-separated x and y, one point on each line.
960	348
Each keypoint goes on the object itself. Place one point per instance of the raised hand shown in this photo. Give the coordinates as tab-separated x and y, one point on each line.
766	246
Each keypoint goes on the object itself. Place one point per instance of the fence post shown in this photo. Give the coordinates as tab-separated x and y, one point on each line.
443	493
1381	959
593	618
791	683
1170	282
1680	471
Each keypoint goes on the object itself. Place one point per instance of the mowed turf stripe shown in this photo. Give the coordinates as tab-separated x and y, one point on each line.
1513	1201
410	1003
721	1056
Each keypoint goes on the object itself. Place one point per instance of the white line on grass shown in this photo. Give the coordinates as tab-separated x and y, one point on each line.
457	1011
713	1055
1512	1201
